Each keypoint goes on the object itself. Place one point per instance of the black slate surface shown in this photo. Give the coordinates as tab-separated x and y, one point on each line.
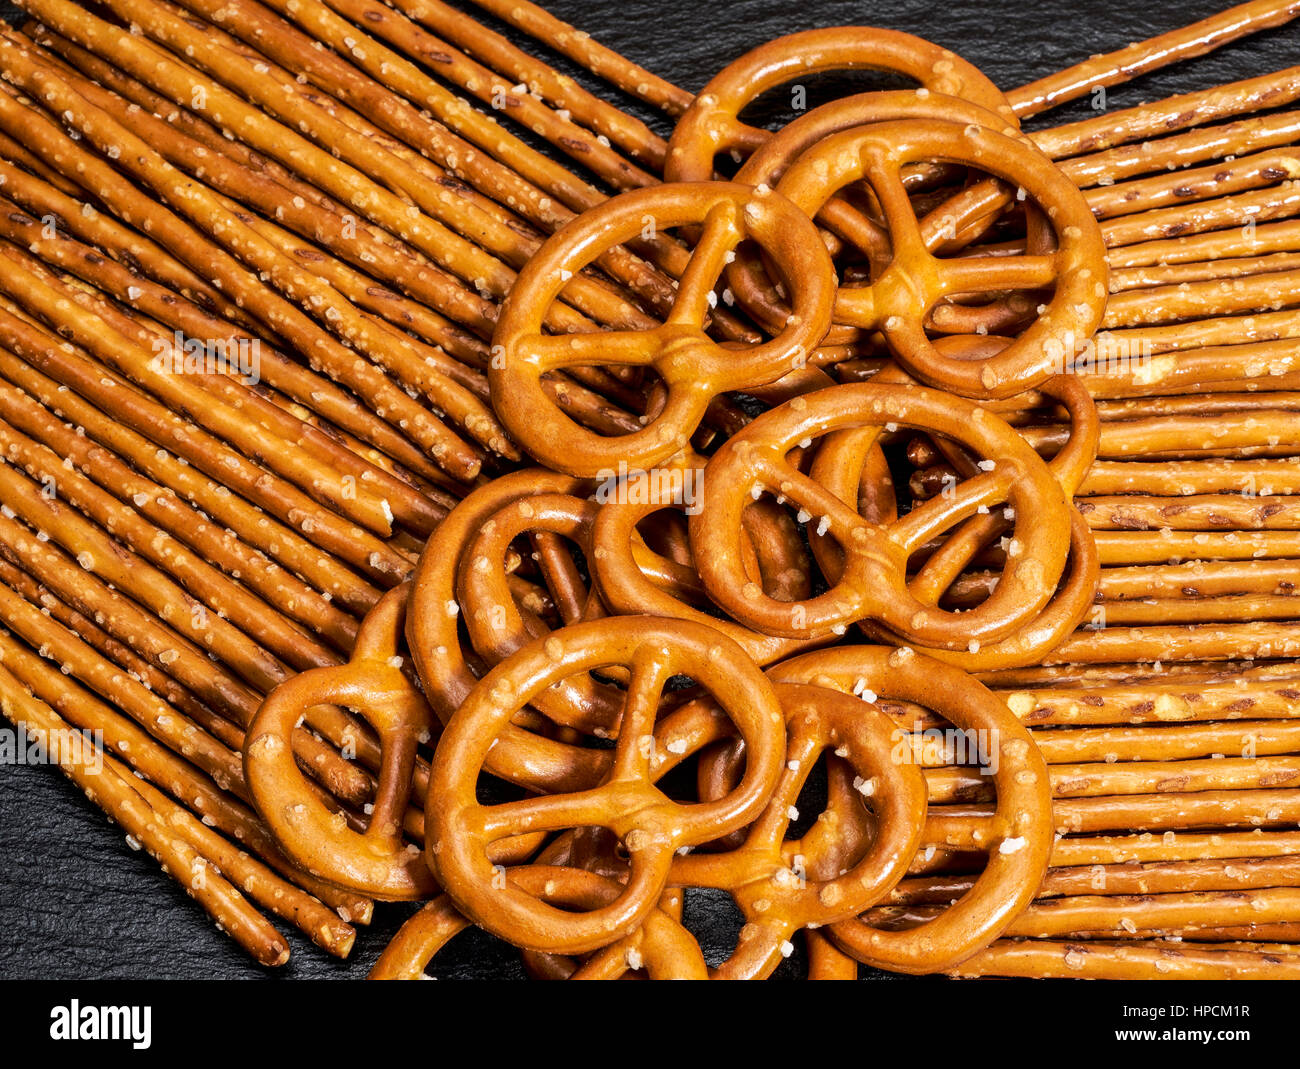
76	903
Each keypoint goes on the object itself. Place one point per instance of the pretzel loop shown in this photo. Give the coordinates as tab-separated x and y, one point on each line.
783	885
712	123
1018	836
900	298
650	825
873	584
376	861
692	366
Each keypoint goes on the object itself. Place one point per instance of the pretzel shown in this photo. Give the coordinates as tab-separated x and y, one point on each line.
1208	142
110	788
374	862
873	583
1174	846
660	945
651	826
1123	879
712	125
692	367
1018	837
912	281
1138	58
1180	112
782	884
1126	961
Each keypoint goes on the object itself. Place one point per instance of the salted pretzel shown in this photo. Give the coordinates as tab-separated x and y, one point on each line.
873	584
909	281
376	861
839	456
660	945
712	124
650	825
693	368
1017	834
783	885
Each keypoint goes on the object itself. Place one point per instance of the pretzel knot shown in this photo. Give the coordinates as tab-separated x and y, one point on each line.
376	861
783	885
905	291
693	368
712	124
651	826
873	583
660	945
1018	836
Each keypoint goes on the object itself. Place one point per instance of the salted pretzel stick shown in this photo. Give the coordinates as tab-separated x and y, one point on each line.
1240	239
1174	846
1181	150
1223	177
1179	643
1115	68
1195	579
409	506
1192	512
345	177
1123	879
1260	432
112	791
207	211
1173	478
1146	776
14	152
277	314
588	109
1116	914
1133	278
595	57
112	392
276	895
150	758
1171	547
172	653
212	591
1126	961
1173	113
1202	299
180	483
1235	210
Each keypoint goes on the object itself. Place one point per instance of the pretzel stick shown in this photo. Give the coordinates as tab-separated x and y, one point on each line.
1125	961
1173	113
1147	776
150	758
1209	297
207	211
408	505
1154	704
212	592
1169	742
1241	173
1171	547
1133	278
583	50
1115	914
1192	512
1240	240
1123	879
1179	643
1261	432
110	789
1121	66
1236	210
1181	150
277	314
346	181
172	653
1170	478
1174	846
184	484
588	109
107	390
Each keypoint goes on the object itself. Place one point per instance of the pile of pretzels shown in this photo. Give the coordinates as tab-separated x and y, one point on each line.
880	532
631	661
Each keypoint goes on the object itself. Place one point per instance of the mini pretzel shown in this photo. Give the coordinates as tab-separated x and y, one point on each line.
781	884
1018	836
693	368
873	584
899	298
712	125
376	861
661	946
650	825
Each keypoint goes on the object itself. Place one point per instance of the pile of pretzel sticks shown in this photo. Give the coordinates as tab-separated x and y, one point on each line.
253	358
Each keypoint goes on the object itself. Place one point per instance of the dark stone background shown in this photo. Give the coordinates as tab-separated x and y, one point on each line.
75	903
